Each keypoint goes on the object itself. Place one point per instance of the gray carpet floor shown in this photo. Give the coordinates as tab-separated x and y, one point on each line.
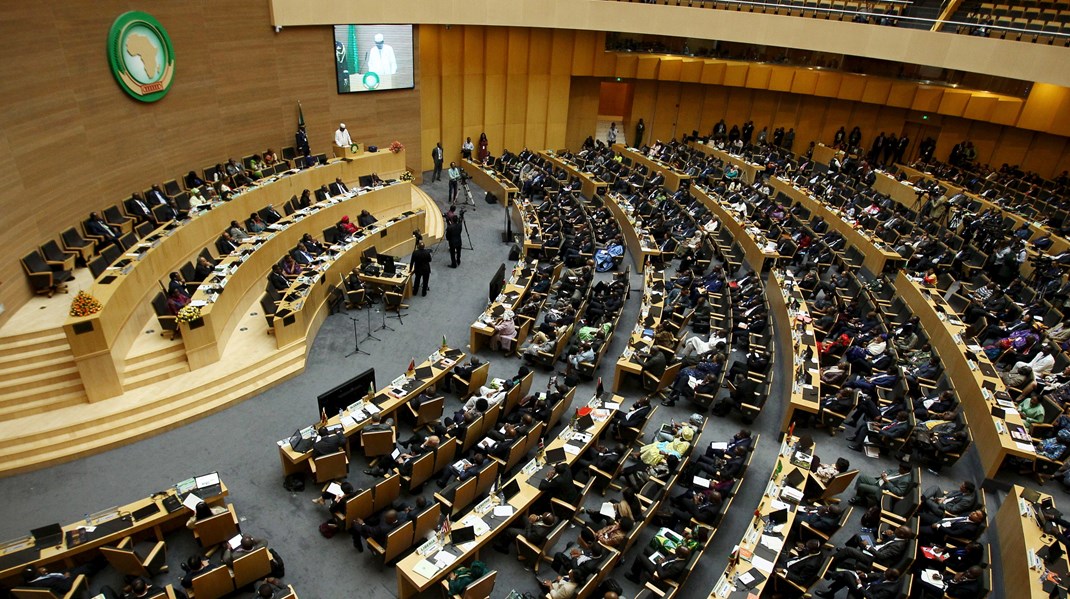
239	443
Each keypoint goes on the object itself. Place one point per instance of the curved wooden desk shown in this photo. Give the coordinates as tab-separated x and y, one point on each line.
672	176
640	243
306	313
749	170
590	185
412	582
1019	536
204	341
109	533
975	380
490	181
876	254
650	314
387	400
511	297
100	341
755	250
751	549
797	333
1059	244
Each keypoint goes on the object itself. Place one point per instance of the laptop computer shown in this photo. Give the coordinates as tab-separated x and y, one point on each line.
149	510
778	516
1031	495
510	489
465	534
48	536
555	455
585	422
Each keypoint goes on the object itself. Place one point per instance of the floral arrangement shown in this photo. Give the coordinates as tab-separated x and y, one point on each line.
84	305
406	176
395	146
188	314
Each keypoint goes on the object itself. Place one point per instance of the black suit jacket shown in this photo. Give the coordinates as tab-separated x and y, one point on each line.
97	227
803	571
421	261
561	487
671	568
279	282
881	589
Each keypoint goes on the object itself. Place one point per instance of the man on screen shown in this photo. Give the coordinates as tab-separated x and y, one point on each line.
381	61
341	136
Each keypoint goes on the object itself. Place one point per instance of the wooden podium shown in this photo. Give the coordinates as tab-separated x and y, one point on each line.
347	151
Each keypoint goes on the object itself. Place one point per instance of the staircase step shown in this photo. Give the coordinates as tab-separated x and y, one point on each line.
42	390
106	430
61	375
175	348
159	373
32	341
45	362
53	401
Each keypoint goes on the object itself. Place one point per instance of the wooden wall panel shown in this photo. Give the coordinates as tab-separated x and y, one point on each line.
690	118
236	90
666	110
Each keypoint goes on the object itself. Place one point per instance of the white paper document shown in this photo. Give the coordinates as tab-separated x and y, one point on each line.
191	501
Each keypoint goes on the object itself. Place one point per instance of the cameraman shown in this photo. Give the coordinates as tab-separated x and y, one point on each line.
453	237
454	174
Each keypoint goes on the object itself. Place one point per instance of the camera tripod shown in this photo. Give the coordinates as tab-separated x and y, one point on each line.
464	224
467	193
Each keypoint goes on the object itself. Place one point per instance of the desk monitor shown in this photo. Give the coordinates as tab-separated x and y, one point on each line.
497	282
510	489
465	534
48	536
387	262
336	399
369	253
555	455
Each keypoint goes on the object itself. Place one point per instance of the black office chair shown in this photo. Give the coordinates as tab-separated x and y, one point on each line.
392	302
43	278
167	321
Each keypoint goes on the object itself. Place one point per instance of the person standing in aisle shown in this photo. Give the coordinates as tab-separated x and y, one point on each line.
453	238
436	156
421	268
640	128
454	175
611	137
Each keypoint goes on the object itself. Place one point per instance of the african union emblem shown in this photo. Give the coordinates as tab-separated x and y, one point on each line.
141	56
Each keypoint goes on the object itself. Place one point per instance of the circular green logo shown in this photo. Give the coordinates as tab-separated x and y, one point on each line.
370	80
141	56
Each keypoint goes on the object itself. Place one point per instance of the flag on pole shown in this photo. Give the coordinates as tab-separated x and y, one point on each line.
371	391
445	530
412	367
444	346
599	390
352	51
300	115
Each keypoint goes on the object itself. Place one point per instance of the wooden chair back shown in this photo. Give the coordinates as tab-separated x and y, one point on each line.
217	529
562	406
445	453
481	588
251	567
490	419
332	466
472	433
423	468
397	541
427	520
360	506
377	443
838	484
430	411
464	495
213	584
386	492
479	378
125	560
486	477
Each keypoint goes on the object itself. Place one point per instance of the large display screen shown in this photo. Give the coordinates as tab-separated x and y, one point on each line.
373	57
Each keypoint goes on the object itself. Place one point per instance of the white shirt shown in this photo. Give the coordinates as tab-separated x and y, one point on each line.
381	61
1041	364
341	138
